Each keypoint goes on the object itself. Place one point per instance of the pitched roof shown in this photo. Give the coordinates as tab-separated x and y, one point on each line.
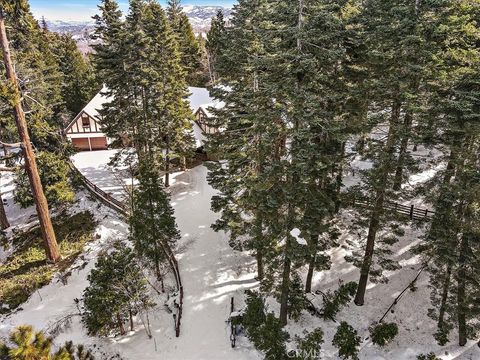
96	103
200	98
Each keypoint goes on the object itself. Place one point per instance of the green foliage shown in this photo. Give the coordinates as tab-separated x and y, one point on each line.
429	356
347	341
188	45
382	333
117	286
55	177
153	227
334	302
296	298
264	330
34	345
159	118
442	335
79	84
27	269
254	315
41	78
216	45
309	347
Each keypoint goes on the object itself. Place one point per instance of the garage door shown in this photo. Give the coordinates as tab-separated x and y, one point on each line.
99	143
81	144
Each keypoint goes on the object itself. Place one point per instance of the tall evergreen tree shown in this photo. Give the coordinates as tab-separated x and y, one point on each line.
395	56
188	45
215	45
449	246
153	229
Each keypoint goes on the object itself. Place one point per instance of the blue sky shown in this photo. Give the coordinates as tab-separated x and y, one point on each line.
81	10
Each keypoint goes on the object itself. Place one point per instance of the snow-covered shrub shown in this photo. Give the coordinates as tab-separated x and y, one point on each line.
429	356
309	347
382	333
347	341
333	302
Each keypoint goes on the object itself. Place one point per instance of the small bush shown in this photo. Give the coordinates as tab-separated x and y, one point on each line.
382	333
429	356
264	330
254	315
309	347
333	302
270	338
347	341
30	344
442	336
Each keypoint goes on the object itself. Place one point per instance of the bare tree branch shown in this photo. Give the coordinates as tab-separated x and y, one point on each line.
11	145
11	169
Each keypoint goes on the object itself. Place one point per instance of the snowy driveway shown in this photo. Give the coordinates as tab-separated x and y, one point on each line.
211	271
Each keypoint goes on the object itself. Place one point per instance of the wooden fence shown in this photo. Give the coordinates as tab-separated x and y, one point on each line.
121	208
414	213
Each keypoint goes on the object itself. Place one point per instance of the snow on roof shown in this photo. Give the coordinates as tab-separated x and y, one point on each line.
200	98
96	103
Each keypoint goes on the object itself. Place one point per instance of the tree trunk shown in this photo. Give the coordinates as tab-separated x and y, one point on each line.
339	179
461	301
443	302
377	211
121	328
407	127
285	287
311	265
167	165
259	240
4	224
48	234
260	270
132	327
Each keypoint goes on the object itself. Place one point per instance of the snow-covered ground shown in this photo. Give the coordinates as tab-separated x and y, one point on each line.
211	273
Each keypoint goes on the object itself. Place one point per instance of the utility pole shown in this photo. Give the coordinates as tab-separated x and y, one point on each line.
50	242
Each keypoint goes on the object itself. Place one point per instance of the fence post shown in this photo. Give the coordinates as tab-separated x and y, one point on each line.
411	212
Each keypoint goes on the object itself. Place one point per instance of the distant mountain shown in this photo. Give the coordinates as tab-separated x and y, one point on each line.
200	18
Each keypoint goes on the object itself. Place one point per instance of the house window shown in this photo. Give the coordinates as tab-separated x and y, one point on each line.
85	121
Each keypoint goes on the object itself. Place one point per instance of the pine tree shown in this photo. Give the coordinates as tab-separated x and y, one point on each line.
153	228
31	345
395	54
188	45
79	85
449	246
215	45
148	92
20	11
117	290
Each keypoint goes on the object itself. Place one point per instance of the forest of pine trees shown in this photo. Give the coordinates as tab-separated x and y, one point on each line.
310	85
308	88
